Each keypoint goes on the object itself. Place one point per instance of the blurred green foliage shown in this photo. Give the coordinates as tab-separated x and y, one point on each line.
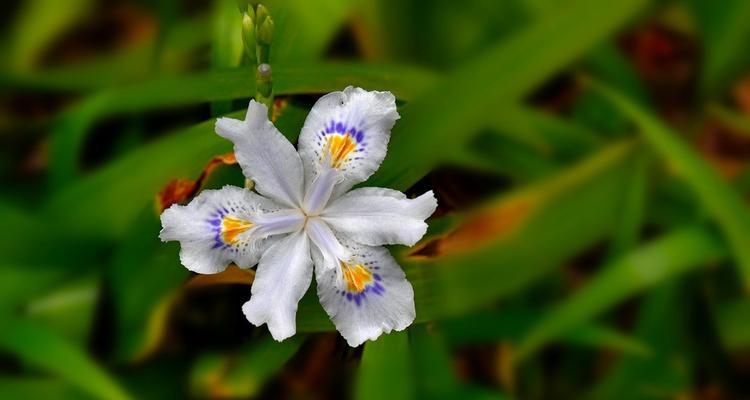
590	160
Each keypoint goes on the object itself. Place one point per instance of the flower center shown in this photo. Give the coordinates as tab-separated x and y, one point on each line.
319	192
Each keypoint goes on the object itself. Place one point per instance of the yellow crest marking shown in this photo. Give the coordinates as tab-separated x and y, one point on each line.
338	147
232	227
357	277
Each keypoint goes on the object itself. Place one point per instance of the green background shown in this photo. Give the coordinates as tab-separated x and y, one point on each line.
590	160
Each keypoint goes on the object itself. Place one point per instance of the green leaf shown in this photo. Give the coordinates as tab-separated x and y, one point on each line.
669	256
603	337
549	134
139	304
511	324
511	158
661	324
305	28
14	387
433	369
452	112
608	64
68	308
168	91
128	65
44	349
433	364
39	23
718	198
31	230
738	122
733	324
633	207
242	375
129	183
385	370
725	31
226	46
106	201
469	270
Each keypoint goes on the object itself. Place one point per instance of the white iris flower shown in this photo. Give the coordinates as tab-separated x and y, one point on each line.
304	214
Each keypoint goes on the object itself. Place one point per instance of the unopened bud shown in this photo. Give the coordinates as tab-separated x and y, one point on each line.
265	31
261	13
248	36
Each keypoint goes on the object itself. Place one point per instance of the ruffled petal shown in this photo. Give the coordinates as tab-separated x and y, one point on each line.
283	276
376	216
223	226
349	132
368	296
265	155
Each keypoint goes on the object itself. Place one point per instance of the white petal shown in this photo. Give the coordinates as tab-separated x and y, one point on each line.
375	216
217	228
319	192
370	297
326	242
265	155
348	131
283	276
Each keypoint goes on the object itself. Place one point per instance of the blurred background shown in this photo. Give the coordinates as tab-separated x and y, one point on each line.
590	160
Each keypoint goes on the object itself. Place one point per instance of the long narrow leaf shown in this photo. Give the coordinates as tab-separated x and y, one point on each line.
719	199
673	254
44	349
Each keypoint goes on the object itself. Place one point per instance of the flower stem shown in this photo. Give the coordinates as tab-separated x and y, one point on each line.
257	35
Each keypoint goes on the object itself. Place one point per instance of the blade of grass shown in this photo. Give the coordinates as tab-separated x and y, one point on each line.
126	186
725	30
739	123
432	363
305	28
38	23
131	64
452	112
385	370
42	348
516	160
32	232
226	45
493	252
433	369
666	374
733	324
671	255
510	324
68	308
718	198
629	226
546	132
14	387
70	130
242	375
139	303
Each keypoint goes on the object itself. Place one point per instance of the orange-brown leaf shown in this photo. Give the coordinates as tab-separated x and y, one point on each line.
181	190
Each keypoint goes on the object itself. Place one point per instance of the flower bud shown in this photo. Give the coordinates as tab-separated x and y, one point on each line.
265	31
261	13
248	36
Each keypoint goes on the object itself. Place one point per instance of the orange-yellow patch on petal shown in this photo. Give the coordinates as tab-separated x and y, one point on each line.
338	148
232	227
357	277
